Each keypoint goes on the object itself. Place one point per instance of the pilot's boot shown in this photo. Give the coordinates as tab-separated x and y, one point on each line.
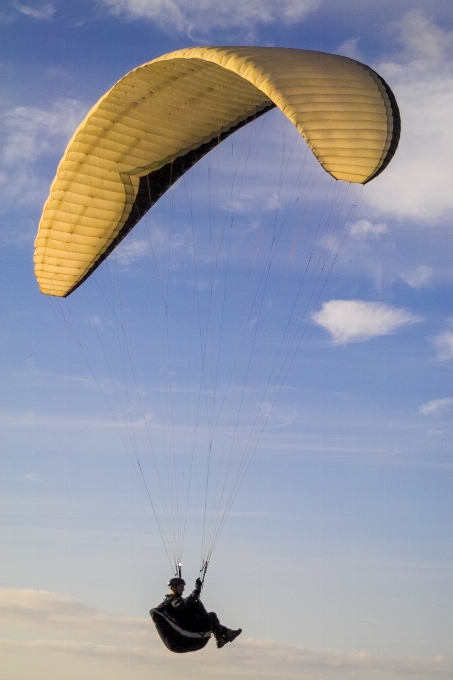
227	635
232	634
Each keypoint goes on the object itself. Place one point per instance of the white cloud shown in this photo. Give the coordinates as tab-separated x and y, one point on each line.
421	277
417	183
42	12
444	345
356	320
42	625
364	228
185	16
436	406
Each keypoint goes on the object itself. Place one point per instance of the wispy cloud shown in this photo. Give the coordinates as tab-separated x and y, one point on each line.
29	131
417	183
350	48
31	477
99	322
273	202
131	250
186	16
436	406
356	320
444	345
161	241
41	11
365	228
421	277
34	419
26	135
276	417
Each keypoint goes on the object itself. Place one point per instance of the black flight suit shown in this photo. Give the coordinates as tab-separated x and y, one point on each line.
190	613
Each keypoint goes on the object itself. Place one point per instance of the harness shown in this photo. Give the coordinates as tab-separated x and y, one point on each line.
175	638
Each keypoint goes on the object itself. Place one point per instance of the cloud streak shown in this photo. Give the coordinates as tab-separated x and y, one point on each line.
42	12
436	406
250	658
357	321
32	419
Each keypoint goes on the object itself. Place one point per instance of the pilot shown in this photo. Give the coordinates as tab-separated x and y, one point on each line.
190	613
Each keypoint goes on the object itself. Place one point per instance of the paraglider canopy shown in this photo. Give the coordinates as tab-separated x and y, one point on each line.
162	117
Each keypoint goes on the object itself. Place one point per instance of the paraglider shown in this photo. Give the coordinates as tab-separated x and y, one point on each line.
184	625
140	138
162	117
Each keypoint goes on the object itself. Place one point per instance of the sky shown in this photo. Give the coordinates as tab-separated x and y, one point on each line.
336	557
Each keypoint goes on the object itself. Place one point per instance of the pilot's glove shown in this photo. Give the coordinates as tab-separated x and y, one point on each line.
198	584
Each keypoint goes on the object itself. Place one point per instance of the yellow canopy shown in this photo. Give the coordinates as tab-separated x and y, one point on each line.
162	117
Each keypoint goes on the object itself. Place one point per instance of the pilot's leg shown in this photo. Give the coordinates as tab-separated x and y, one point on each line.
222	634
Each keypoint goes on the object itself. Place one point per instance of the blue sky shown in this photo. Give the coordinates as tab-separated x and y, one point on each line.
336	557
